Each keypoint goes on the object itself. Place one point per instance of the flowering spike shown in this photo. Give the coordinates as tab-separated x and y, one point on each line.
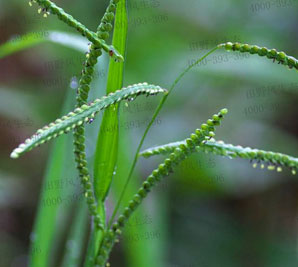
228	150
79	117
280	57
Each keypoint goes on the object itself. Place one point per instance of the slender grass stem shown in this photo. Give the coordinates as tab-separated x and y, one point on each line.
158	109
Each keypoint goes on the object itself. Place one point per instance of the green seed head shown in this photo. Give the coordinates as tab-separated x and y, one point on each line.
236	46
281	56
142	192
121	220
263	51
246	48
224	111
210	122
228	46
204	127
254	49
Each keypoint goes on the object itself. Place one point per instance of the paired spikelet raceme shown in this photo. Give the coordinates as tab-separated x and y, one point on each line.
280	57
82	97
178	155
49	7
105	25
272	159
103	30
83	114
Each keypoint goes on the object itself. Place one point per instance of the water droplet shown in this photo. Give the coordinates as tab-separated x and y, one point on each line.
271	167
90	148
74	82
71	244
130	99
33	237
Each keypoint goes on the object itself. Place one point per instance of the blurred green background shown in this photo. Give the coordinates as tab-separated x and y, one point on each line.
212	211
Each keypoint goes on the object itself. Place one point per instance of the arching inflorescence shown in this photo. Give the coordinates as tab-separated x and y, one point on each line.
49	7
179	154
84	114
272	159
280	57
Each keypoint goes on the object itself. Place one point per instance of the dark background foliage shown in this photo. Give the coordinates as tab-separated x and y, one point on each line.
211	211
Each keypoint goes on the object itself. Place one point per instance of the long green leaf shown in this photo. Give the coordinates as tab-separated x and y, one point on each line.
31	39
75	244
107	141
85	113
42	237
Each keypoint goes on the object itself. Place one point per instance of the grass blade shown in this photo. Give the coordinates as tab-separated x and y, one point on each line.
107	141
32	39
74	245
41	239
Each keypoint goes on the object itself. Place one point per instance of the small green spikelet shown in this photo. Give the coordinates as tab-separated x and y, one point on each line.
79	115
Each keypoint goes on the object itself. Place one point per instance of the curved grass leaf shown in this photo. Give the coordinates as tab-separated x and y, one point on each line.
82	115
31	39
276	160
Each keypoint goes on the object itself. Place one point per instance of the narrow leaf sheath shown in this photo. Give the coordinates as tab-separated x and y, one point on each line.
82	115
106	153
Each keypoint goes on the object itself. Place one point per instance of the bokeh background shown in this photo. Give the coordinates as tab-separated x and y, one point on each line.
211	211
